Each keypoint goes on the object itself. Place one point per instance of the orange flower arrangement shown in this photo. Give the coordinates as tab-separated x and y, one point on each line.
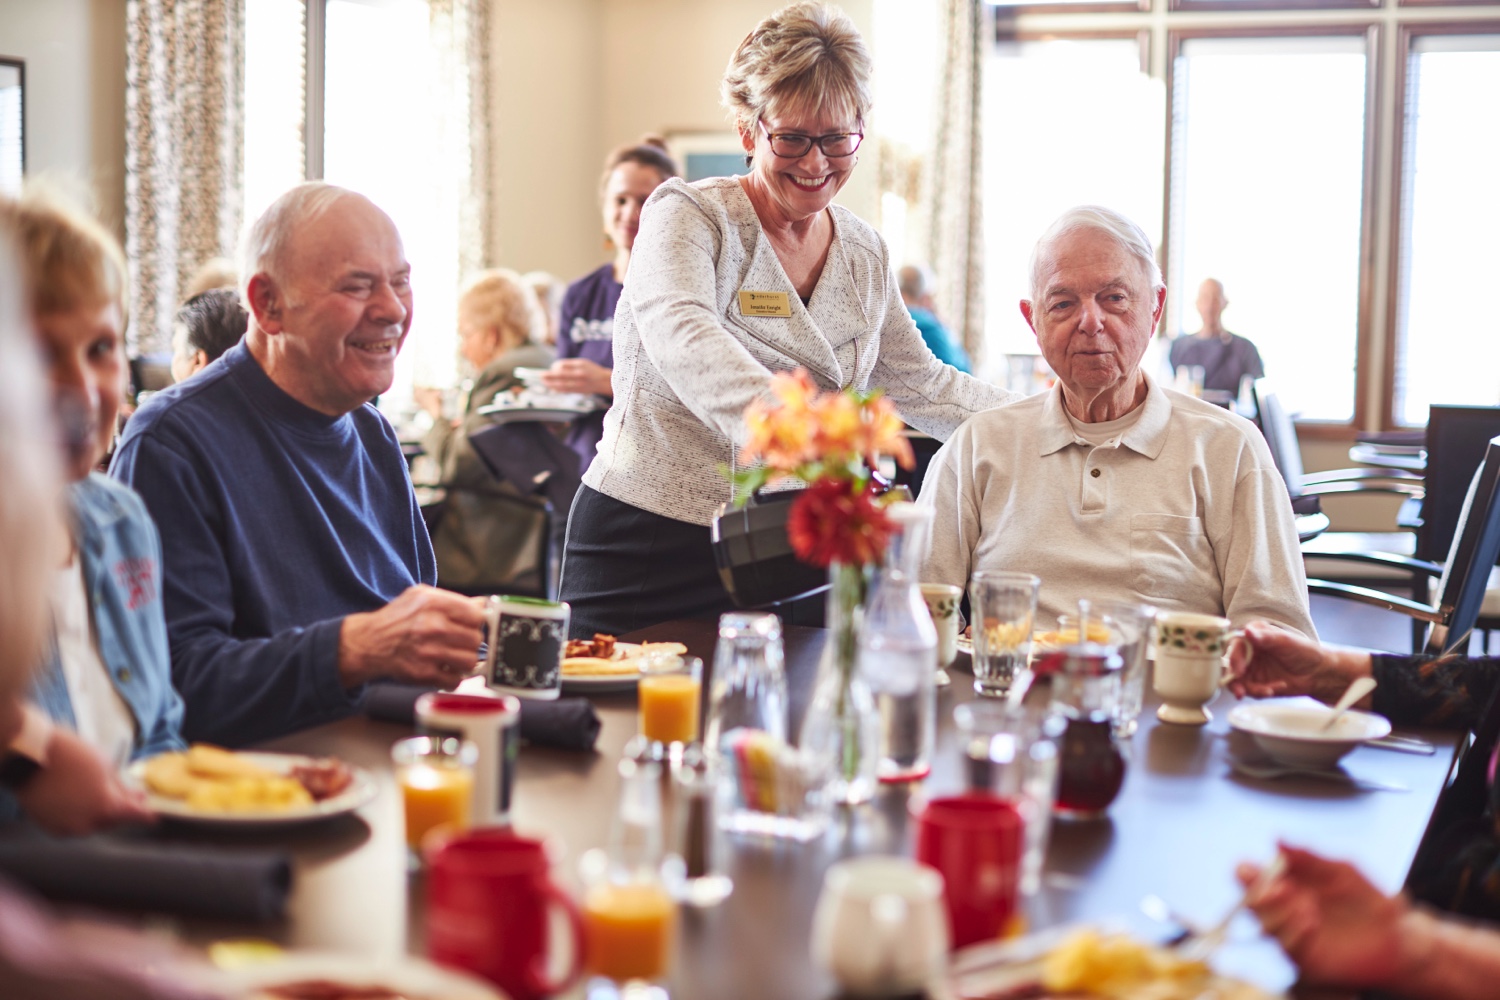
831	441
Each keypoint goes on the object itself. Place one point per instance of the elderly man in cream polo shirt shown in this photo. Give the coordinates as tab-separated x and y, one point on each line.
1110	486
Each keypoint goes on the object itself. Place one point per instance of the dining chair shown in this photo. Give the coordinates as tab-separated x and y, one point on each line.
1280	431
1462	580
534	460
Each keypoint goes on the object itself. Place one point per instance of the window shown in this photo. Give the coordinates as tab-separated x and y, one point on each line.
1043	115
1331	161
274	159
383	133
1268	139
1446	346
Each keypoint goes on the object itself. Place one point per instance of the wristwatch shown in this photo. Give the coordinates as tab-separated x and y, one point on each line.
27	752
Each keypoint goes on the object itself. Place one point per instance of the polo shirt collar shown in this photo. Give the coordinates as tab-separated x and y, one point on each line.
1147	436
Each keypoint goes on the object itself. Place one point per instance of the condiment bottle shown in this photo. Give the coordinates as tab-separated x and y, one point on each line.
492	724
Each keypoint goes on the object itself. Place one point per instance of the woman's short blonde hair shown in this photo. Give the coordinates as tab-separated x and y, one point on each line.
805	57
500	300
30	533
69	260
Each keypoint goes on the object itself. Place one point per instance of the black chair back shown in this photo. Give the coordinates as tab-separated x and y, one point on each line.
1456	440
1281	435
1475	548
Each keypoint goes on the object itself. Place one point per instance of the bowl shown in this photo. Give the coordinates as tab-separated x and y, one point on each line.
1290	730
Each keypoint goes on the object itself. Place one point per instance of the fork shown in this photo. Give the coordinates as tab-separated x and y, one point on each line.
1197	947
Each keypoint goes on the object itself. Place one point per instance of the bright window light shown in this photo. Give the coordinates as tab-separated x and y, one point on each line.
377	124
1050	144
274	47
1267	168
1446	352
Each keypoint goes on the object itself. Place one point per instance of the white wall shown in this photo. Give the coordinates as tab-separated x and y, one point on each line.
75	93
575	78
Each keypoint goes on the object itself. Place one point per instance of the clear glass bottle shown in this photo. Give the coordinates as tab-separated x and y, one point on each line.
1091	765
898	652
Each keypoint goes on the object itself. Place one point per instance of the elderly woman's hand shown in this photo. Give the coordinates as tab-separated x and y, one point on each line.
578	375
429	399
1284	663
1337	927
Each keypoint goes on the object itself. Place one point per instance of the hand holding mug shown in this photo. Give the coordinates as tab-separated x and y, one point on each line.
1273	662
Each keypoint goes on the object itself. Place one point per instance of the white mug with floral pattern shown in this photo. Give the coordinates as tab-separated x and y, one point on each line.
1190	663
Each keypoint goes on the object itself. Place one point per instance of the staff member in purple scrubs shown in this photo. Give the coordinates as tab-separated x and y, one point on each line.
585	334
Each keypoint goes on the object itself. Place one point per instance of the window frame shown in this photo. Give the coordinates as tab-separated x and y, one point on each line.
1371	33
1406	34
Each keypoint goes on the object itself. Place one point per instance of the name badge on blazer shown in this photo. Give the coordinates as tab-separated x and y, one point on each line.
765	304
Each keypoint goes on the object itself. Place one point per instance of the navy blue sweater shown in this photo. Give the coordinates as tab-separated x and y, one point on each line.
276	521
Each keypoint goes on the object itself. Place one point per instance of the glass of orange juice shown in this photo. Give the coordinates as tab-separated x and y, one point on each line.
629	923
436	777
670	697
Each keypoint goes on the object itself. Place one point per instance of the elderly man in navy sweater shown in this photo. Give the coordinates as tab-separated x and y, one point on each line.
296	566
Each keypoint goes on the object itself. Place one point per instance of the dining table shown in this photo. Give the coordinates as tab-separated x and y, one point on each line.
1181	822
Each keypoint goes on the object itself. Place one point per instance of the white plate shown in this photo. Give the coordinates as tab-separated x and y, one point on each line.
411	977
360	790
602	684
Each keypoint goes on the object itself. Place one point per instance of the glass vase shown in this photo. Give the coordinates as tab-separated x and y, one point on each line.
842	727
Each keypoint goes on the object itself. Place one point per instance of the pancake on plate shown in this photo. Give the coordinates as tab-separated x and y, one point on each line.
604	656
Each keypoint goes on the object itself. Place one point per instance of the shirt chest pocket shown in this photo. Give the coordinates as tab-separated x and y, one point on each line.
1169	554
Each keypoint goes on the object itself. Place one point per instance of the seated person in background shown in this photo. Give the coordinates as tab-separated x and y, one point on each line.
216	272
482	540
61	783
1346	934
208	324
297	566
1447	692
1224	357
916	291
1109	486
107	674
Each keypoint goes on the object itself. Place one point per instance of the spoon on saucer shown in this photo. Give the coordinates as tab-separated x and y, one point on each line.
1361	687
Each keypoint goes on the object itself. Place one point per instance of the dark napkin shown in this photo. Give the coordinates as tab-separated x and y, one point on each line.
161	878
564	724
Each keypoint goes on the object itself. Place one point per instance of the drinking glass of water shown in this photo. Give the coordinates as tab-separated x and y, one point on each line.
1004	606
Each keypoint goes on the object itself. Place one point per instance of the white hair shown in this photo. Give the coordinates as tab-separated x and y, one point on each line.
265	246
1125	234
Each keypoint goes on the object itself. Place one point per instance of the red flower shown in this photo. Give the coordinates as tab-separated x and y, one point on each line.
837	520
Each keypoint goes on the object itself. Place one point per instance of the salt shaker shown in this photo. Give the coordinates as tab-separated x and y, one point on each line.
492	724
697	839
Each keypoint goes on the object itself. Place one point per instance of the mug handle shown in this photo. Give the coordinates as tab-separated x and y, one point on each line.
492	629
535	975
1238	635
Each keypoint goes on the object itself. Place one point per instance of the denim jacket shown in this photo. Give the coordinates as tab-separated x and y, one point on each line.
121	556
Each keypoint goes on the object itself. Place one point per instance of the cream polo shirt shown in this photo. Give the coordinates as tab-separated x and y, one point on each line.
1183	509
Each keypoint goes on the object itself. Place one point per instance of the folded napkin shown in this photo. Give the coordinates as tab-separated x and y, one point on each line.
564	724
158	877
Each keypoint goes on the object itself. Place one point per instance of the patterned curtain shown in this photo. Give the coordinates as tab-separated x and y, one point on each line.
184	156
952	202
459	42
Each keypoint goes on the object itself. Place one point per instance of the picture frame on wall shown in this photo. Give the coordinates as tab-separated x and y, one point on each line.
703	154
12	124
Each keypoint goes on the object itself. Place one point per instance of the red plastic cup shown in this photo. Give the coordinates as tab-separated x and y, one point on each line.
976	842
488	896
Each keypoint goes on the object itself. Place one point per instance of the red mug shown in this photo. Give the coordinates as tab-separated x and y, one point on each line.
488	893
976	842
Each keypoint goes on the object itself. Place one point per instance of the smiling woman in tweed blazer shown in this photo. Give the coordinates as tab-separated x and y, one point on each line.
735	278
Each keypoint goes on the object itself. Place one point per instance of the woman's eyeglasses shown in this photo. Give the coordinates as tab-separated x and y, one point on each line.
792	146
